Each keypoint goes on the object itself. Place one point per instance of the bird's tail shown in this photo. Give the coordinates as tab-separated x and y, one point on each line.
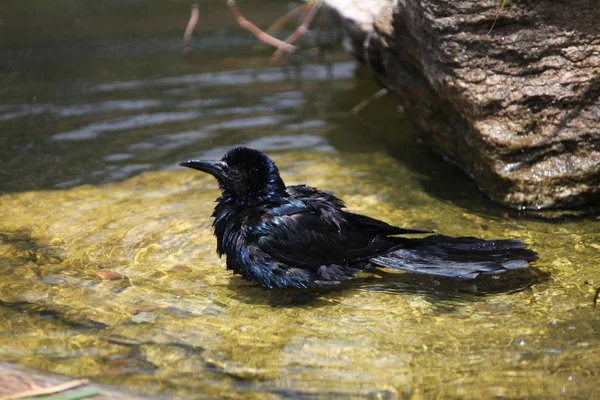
460	258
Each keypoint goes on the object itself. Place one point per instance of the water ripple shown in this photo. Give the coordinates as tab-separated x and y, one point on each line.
137	121
309	72
22	110
276	143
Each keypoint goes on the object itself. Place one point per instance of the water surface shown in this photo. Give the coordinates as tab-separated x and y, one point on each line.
107	259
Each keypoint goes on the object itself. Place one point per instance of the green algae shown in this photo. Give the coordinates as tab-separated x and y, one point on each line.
176	321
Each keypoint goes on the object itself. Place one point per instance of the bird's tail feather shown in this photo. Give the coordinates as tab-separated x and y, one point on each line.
460	258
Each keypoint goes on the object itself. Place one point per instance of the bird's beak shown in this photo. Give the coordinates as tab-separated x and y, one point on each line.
215	168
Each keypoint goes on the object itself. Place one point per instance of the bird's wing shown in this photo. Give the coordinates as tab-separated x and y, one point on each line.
379	227
331	208
298	235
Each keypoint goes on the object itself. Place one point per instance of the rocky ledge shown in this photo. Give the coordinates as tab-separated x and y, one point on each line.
517	108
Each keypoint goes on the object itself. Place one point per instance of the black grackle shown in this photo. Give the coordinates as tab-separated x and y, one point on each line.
298	236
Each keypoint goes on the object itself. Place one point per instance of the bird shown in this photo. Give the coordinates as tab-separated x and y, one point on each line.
300	237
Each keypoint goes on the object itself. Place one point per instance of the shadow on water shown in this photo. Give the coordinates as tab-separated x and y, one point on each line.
121	99
444	293
50	146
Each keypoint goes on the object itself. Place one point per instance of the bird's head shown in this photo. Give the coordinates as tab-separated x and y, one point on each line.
245	176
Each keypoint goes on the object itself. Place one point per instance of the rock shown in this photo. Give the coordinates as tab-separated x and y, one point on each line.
144	317
518	108
108	275
181	268
141	308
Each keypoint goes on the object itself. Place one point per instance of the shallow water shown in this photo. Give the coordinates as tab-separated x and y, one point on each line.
90	189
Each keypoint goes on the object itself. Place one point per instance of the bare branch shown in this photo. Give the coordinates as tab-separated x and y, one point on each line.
189	29
498	11
287	17
256	31
363	104
301	30
48	390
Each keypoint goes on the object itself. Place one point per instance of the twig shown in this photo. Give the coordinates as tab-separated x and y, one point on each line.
498	11
367	57
301	30
376	96
595	301
367	60
275	26
256	31
83	394
189	29
47	390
